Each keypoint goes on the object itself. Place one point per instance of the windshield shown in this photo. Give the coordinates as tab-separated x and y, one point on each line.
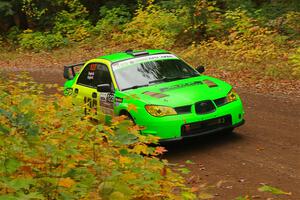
150	70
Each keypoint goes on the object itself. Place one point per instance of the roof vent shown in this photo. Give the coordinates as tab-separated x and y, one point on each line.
129	51
136	53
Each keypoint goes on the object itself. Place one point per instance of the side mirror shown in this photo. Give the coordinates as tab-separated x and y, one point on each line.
200	69
67	74
104	88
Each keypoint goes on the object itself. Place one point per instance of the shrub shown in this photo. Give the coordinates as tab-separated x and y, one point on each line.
239	21
12	36
204	21
40	41
292	23
256	50
295	60
248	46
72	23
155	27
112	20
49	150
70	26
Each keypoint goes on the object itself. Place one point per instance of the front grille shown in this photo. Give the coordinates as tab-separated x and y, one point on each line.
204	107
221	101
208	125
183	109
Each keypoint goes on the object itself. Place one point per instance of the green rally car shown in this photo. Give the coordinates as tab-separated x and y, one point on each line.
158	91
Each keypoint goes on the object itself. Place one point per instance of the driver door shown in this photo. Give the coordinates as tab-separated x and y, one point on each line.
86	89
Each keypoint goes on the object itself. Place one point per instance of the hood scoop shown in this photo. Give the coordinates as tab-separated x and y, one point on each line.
210	83
155	94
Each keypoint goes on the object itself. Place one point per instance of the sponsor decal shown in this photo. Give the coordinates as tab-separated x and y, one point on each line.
173	87
91	75
118	101
106	102
130	62
93	67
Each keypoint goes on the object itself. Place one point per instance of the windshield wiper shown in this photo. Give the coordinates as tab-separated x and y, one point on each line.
172	78
136	86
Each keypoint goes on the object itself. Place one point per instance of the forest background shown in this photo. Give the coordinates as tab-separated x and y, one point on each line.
257	36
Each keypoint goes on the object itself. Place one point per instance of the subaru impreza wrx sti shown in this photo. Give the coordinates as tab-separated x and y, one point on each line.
158	91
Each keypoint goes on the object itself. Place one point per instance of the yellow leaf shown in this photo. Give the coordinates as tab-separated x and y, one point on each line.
210	8
66	182
125	160
204	195
140	149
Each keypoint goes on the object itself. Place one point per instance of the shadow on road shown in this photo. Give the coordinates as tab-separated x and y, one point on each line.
201	143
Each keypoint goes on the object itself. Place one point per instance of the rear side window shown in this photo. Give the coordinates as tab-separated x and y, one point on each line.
94	74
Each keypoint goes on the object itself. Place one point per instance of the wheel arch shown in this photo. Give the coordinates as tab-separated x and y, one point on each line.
126	113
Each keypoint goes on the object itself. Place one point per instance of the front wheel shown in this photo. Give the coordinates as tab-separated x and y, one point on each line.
128	117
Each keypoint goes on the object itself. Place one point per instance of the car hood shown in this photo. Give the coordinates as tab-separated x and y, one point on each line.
182	92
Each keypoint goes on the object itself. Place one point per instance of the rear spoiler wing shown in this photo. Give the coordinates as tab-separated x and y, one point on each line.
69	70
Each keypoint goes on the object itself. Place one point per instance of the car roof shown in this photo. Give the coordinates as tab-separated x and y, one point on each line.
115	57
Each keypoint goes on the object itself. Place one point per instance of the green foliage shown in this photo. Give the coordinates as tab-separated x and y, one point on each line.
72	24
239	4
204	20
292	23
50	150
247	46
258	36
295	61
32	11
112	21
155	27
69	26
41	41
239	21
6	8
12	35
72	28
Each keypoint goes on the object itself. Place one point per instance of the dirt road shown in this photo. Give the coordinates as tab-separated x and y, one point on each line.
266	150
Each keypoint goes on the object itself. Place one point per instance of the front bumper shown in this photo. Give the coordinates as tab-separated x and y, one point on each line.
170	127
204	132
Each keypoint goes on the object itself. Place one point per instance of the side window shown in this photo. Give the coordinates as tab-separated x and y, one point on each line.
87	75
102	75
94	74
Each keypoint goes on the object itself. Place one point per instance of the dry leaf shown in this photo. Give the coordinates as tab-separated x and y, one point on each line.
66	182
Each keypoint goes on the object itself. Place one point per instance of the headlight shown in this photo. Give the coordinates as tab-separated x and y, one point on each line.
231	96
160	111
